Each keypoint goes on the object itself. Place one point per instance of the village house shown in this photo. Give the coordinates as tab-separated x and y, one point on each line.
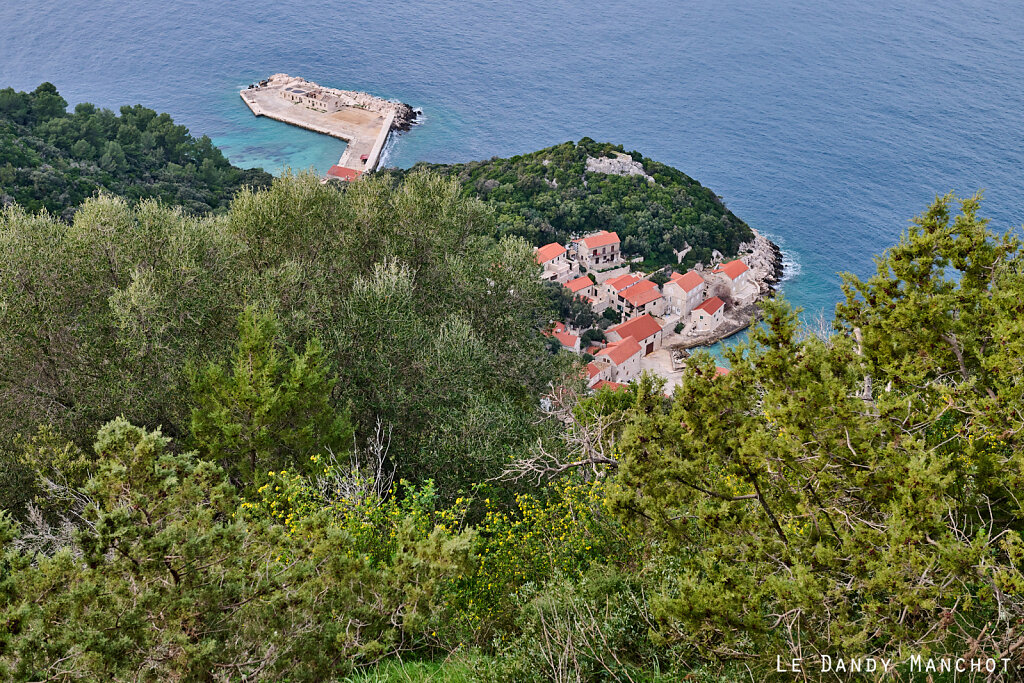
684	291
582	286
737	275
643	297
612	287
565	338
557	266
624	357
645	330
598	252
708	315
597	371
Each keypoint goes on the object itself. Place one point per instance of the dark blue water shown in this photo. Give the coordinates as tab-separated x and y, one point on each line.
824	124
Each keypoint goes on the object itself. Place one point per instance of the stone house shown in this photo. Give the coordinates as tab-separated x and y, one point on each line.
555	261
611	288
565	338
582	286
708	315
624	357
315	99
737	276
599	251
684	291
643	297
597	371
644	329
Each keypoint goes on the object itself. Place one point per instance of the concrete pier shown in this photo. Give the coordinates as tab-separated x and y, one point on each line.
361	120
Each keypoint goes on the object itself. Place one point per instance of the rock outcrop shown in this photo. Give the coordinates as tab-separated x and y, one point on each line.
764	258
621	164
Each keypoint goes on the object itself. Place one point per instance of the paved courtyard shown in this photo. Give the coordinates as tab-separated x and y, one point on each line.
660	363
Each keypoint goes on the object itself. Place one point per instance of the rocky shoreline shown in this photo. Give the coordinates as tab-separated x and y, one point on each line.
764	258
405	117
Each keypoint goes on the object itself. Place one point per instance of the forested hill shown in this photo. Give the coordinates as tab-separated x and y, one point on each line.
51	159
550	196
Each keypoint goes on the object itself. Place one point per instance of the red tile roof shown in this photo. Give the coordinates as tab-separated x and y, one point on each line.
689	281
343	173
641	293
567	340
642	286
639	328
594	369
614	386
732	269
643	298
549	251
593	349
621	351
579	284
621	282
601	239
710	306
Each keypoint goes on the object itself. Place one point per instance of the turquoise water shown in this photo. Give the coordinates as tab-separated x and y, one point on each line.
824	124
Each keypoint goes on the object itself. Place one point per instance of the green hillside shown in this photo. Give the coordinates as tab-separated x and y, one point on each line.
549	196
54	160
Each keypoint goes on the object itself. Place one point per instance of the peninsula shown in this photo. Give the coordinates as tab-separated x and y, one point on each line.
360	119
622	238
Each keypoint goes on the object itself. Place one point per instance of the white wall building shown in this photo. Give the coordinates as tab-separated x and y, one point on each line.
643	297
624	357
708	315
555	261
645	330
684	291
737	275
599	251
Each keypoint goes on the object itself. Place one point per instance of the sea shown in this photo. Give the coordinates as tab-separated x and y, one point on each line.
825	124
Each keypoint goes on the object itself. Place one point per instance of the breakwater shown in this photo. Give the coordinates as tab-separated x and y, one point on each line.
360	119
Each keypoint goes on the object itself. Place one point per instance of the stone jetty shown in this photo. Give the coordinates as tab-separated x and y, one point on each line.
360	119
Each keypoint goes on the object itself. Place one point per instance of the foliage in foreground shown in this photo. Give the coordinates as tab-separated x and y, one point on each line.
388	304
165	581
858	495
852	494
